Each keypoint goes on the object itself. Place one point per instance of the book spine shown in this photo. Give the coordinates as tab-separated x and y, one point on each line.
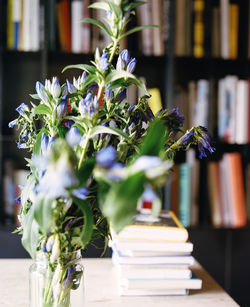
158	47
86	28
16	20
198	48
224	6
180	31
76	25
241	112
233	30
184	194
202	103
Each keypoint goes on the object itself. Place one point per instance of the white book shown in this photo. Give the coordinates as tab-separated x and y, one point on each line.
157	16
26	25
222	109
231	90
224	7
202	102
154	272
164	260
241	112
152	246
123	291
144	16
193	283
35	25
77	26
86	28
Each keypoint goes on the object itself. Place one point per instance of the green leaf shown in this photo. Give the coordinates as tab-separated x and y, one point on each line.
119	75
30	233
87	229
133	5
115	8
85	171
109	130
43	212
35	96
88	68
42	109
100	5
154	141
98	24
136	29
37	145
62	131
120	203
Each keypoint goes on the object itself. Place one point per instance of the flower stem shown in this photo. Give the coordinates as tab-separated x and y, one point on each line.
84	152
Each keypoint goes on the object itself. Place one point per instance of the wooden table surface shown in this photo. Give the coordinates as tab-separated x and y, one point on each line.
101	289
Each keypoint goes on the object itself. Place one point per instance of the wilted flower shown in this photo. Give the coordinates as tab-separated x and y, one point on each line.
204	142
69	224
187	138
106	157
122	95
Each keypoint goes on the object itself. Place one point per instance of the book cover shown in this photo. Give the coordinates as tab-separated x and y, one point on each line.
151	272
144	17
198	29
66	24
123	291
173	260
193	283
214	194
241	112
157	16
164	227
224	28
236	189
76	26
233	30
130	247
184	194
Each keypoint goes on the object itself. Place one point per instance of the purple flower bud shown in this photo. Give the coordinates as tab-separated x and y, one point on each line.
125	56
61	109
68	280
83	77
73	136
18	200
108	93
51	143
130	108
91	111
103	62
40	92
22	108
55	89
69	123
95	103
131	65
12	123
44	143
43	246
93	87
187	138
82	107
47	85
69	225
88	98
81	193
50	243
106	157
71	88
131	126
122	95
65	90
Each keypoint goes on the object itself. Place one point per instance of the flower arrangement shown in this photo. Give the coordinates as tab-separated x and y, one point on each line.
94	154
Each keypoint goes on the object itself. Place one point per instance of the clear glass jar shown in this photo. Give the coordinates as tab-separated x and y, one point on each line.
60	284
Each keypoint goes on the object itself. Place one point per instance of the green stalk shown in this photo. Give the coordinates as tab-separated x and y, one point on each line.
83	152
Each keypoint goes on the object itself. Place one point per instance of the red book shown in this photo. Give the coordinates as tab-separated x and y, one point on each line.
66	24
236	190
249	110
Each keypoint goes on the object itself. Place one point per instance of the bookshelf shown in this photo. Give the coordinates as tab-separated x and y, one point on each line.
228	248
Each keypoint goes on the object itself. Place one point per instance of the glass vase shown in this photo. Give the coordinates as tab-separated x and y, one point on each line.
60	284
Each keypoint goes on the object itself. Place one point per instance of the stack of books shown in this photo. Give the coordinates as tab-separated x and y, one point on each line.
152	256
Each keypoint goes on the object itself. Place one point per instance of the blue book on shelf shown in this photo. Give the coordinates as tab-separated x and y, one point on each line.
184	194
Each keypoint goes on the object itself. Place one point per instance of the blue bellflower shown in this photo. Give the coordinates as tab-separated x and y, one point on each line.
40	92
106	157
73	136
131	65
103	62
61	109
